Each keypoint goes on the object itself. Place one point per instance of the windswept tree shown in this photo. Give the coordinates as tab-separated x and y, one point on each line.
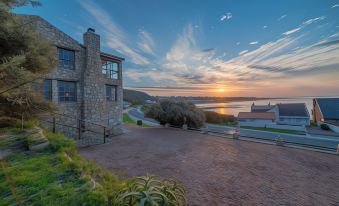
25	58
177	113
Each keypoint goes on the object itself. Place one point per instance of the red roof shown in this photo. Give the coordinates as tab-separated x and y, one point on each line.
256	115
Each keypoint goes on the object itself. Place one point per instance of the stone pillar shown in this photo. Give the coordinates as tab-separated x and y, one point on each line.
93	98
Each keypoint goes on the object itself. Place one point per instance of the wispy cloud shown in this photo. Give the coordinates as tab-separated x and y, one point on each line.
292	31
265	27
304	24
146	42
335	5
243	52
254	42
282	17
310	21
226	16
238	43
114	35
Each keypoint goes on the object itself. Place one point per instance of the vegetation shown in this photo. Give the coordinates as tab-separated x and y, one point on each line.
128	120
57	175
216	118
25	57
176	113
137	97
324	127
313	123
148	191
288	131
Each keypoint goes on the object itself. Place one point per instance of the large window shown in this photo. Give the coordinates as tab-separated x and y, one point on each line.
111	93
66	59
47	91
67	91
110	69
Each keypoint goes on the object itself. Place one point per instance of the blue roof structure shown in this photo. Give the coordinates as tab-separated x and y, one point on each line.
293	109
329	108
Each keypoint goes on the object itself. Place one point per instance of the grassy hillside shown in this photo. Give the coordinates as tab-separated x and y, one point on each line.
57	175
136	97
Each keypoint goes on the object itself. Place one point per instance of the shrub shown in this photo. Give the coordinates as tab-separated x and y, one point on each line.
216	118
148	191
176	113
324	127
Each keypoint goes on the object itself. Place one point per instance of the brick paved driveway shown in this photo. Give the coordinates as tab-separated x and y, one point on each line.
217	171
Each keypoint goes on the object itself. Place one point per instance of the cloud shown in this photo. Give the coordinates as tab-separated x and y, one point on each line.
188	64
146	42
238	43
292	31
335	5
226	16
264	27
282	17
254	42
114	35
243	52
304	24
310	21
328	43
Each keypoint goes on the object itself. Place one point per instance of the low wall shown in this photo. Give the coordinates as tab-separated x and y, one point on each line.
272	125
290	127
334	128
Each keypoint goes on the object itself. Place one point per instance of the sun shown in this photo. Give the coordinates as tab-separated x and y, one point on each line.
221	90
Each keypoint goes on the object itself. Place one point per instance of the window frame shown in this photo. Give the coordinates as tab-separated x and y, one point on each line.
50	93
108	70
62	58
109	98
65	98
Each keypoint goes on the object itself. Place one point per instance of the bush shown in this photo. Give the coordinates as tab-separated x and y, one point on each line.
324	127
216	118
176	113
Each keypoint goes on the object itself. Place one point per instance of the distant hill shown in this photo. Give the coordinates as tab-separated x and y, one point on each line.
137	97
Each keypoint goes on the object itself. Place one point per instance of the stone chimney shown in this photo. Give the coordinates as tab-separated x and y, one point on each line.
92	41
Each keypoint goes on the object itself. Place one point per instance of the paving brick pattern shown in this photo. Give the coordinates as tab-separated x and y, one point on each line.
217	171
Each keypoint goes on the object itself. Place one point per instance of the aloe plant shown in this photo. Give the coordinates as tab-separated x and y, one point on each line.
147	191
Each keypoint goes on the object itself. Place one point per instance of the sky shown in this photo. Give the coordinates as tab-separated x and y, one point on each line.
262	48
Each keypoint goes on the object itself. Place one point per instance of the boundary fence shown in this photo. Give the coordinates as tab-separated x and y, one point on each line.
277	141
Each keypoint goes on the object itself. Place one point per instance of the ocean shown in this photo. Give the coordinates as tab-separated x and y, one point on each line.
234	108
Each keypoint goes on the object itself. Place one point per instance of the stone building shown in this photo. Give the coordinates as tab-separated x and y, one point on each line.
87	83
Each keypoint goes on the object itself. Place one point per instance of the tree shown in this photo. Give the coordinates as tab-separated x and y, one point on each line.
25	58
177	113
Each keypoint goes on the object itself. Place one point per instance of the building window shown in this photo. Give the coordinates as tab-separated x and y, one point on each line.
110	69
111	93
47	91
66	59
67	91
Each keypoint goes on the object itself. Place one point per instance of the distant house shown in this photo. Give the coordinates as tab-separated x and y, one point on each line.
256	119
326	110
261	108
295	114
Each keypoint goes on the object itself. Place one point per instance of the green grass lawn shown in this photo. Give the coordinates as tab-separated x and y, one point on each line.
128	120
274	130
55	175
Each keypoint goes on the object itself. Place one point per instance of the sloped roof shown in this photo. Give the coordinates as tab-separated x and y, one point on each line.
293	109
329	107
256	115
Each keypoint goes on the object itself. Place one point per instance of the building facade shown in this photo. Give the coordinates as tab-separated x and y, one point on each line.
87	83
326	111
